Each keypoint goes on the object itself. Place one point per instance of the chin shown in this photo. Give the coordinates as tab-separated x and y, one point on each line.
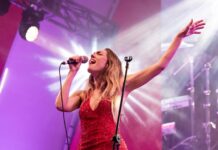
90	70
93	72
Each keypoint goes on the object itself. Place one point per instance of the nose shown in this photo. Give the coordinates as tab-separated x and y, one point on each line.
93	55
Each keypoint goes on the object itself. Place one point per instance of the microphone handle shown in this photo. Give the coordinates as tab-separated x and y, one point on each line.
83	59
72	61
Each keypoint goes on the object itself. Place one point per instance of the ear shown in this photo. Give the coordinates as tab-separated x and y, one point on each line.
107	65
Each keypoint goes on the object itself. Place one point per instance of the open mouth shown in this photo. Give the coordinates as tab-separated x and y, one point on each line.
92	61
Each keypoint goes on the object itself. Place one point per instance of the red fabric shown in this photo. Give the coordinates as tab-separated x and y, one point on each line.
97	127
9	24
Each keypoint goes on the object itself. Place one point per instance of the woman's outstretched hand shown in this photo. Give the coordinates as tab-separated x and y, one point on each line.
192	28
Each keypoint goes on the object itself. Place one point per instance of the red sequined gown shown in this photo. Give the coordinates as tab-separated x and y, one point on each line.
97	127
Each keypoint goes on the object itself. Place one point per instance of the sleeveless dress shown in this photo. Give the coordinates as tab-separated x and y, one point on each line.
97	127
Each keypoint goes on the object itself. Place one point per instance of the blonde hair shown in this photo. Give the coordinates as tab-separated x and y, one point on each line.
109	84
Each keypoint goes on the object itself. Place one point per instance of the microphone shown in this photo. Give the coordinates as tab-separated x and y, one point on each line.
83	59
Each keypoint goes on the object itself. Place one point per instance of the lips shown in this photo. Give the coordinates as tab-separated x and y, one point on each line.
92	61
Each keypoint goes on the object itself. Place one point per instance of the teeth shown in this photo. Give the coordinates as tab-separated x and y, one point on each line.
92	61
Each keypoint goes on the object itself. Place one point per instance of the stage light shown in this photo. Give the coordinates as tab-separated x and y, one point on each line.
29	26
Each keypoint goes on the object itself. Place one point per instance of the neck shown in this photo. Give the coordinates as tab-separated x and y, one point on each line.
96	82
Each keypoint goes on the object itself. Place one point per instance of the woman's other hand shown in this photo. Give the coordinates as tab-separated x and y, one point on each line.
192	28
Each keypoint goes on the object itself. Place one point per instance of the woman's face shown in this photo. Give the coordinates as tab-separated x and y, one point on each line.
97	62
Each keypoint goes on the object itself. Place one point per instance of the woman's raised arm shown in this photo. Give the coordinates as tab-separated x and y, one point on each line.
140	78
72	102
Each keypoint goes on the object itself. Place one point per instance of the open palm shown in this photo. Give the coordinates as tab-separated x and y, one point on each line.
192	28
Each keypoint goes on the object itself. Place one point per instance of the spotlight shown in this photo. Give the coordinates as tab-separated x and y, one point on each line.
29	26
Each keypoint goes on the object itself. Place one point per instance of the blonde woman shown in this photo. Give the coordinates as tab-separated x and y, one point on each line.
97	103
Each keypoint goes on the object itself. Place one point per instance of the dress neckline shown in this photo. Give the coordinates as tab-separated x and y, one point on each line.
89	103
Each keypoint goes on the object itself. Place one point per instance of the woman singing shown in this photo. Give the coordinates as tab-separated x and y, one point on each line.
97	102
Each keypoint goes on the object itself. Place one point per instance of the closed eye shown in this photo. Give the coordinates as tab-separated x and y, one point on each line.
99	53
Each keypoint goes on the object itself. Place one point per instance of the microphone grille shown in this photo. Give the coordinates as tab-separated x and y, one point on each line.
84	59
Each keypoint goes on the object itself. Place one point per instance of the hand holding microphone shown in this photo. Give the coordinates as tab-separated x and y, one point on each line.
75	62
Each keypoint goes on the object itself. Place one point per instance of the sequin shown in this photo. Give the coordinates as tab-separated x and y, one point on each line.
97	127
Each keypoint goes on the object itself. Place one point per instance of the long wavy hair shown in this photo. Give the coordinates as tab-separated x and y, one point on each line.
109	78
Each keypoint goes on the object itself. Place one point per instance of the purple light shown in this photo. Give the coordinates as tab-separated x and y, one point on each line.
4	77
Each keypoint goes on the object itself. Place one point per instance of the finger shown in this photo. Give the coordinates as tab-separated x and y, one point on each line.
198	28
190	23
196	32
75	58
199	21
74	66
198	25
